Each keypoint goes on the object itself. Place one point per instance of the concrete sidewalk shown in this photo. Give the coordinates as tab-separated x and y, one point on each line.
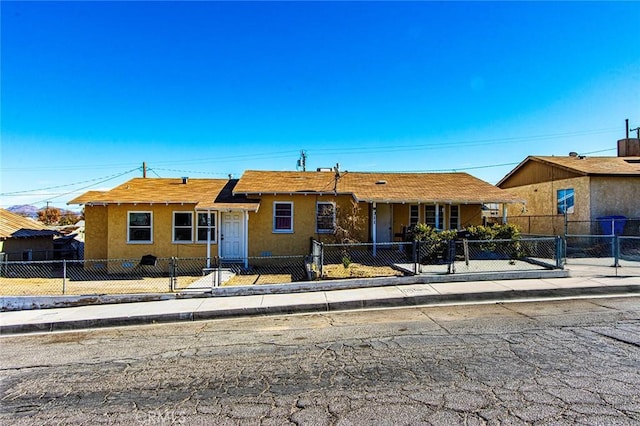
202	307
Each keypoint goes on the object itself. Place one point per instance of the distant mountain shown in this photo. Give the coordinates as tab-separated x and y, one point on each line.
25	210
32	211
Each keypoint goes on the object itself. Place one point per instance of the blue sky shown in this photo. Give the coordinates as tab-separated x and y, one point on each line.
91	90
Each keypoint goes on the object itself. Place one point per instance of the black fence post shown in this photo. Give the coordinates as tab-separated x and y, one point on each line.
451	257
321	259
559	252
173	266
416	247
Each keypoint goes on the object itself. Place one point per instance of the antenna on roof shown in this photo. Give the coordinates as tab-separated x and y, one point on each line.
302	161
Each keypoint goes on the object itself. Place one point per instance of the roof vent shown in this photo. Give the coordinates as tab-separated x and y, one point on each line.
185	179
381	182
573	154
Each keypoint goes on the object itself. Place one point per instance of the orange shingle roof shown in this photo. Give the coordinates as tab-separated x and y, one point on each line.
595	165
581	165
205	193
380	187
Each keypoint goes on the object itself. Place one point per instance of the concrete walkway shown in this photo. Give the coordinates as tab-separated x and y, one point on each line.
191	307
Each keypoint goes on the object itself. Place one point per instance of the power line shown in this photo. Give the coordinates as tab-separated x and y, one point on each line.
345	150
89	186
66	185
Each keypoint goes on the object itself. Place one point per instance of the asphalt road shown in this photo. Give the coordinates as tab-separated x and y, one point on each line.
561	362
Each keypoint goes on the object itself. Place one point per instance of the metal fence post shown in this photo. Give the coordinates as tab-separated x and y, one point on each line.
64	276
321	259
559	252
416	246
616	252
172	274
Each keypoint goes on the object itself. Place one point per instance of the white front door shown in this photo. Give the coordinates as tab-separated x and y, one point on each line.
232	235
383	223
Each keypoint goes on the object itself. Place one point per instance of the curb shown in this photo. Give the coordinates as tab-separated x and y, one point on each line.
19	303
420	300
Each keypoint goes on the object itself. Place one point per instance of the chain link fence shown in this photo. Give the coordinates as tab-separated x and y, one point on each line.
326	261
146	275
604	250
334	261
552	225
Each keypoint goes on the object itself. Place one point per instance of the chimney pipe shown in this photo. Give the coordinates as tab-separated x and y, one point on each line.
185	180
626	122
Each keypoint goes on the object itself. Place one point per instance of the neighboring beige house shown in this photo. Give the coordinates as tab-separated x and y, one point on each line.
269	213
22	238
575	188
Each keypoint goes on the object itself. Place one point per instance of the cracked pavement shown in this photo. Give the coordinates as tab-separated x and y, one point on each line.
543	363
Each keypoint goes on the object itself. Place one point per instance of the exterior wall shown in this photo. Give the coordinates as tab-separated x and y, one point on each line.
106	233
540	216
400	214
162	245
470	214
615	196
263	241
534	172
41	248
96	235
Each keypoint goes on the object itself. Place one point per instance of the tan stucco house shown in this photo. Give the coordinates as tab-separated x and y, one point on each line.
576	189
270	213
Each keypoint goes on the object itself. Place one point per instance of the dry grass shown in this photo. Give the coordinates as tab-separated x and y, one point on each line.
258	279
53	286
356	270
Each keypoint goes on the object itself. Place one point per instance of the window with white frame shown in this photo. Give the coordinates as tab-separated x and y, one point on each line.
454	217
414	215
325	217
139	227
182	227
203	224
282	217
434	216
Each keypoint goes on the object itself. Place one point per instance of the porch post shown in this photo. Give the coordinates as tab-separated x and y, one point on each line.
245	213
373	230
208	238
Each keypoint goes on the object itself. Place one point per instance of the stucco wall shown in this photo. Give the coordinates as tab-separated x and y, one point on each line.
262	239
162	245
106	233
615	196
96	235
540	215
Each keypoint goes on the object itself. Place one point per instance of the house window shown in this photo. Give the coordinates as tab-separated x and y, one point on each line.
325	217
565	201
454	217
282	217
139	227
434	216
202	226
414	215
182	227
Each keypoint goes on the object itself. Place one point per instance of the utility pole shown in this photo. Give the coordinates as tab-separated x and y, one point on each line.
144	169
